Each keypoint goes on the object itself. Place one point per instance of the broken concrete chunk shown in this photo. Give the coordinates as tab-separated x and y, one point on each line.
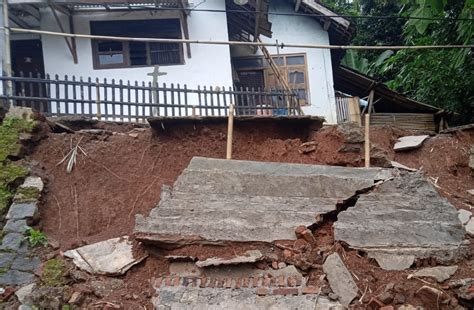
109	257
464	216
392	261
470	227
250	256
33	182
409	142
440	273
24	292
401	166
340	279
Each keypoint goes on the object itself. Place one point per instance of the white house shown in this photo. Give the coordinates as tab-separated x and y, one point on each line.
308	71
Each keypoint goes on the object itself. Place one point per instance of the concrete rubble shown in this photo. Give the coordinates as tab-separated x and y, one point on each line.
260	196
409	142
431	227
391	261
340	279
464	216
110	257
440	273
251	256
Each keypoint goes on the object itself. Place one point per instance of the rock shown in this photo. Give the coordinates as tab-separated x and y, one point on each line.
33	182
106	286
21	112
470	191
24	293
470	227
15	277
281	265
351	133
399	299
379	157
23	263
409	142
20	211
48	297
24	307
6	259
12	242
440	273
79	275
388	261
464	216
340	279
250	256
350	148
401	166
110	257
385	297
471	158
16	226
333	296
76	298
466	292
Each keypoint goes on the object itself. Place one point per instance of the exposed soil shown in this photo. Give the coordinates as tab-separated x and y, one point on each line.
123	173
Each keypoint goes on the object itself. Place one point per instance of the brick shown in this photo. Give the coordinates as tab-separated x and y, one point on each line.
287	254
285	291
168	281
220	283
281	281
254	282
387	308
299	231
203	282
308	236
238	282
158	282
175	281
275	265
267	281
310	290
298	281
262	291
292	281
212	282
228	283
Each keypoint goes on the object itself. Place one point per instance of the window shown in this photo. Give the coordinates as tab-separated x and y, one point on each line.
292	65
114	54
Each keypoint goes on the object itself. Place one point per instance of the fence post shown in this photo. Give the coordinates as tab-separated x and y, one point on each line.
97	98
230	132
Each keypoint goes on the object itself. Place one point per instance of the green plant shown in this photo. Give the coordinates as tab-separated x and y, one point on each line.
36	237
53	273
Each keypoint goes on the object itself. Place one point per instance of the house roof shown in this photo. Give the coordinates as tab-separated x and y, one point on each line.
386	100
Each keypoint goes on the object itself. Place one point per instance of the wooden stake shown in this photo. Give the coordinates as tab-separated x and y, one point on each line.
367	141
230	132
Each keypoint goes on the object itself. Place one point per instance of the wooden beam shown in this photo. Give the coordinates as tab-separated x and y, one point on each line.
184	20
21	23
73	40
297	5
258	14
61	27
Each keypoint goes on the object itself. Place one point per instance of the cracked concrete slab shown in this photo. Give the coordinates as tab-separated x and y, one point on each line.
215	201
404	216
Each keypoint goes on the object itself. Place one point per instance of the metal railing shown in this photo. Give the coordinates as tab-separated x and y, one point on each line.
120	100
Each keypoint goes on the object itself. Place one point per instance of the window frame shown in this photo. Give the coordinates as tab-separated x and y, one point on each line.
285	69
126	53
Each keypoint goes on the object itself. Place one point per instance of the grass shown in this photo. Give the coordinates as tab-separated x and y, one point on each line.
27	194
53	273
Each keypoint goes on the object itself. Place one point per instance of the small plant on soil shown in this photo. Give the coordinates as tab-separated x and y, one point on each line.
53	273
36	237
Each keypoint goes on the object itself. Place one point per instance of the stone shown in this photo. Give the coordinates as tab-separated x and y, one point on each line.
440	273
471	158
470	227
76	298
6	259
471	192
15	277
20	211
340	279
409	142
105	287
24	263
24	307
16	226
464	216
385	297
21	112
392	261
401	166
403	216
217	201
12	242
23	294
110	257
33	182
250	256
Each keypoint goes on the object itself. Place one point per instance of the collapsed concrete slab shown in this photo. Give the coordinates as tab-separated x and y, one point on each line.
404	216
250	256
409	142
340	279
216	201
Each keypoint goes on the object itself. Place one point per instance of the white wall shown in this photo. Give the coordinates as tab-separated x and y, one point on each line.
304	30
209	65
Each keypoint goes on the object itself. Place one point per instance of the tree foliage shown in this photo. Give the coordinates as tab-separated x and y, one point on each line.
442	78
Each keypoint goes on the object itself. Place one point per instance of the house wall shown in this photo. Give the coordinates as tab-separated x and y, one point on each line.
209	65
303	30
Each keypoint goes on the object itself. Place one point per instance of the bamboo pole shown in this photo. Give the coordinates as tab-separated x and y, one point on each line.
278	45
230	131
